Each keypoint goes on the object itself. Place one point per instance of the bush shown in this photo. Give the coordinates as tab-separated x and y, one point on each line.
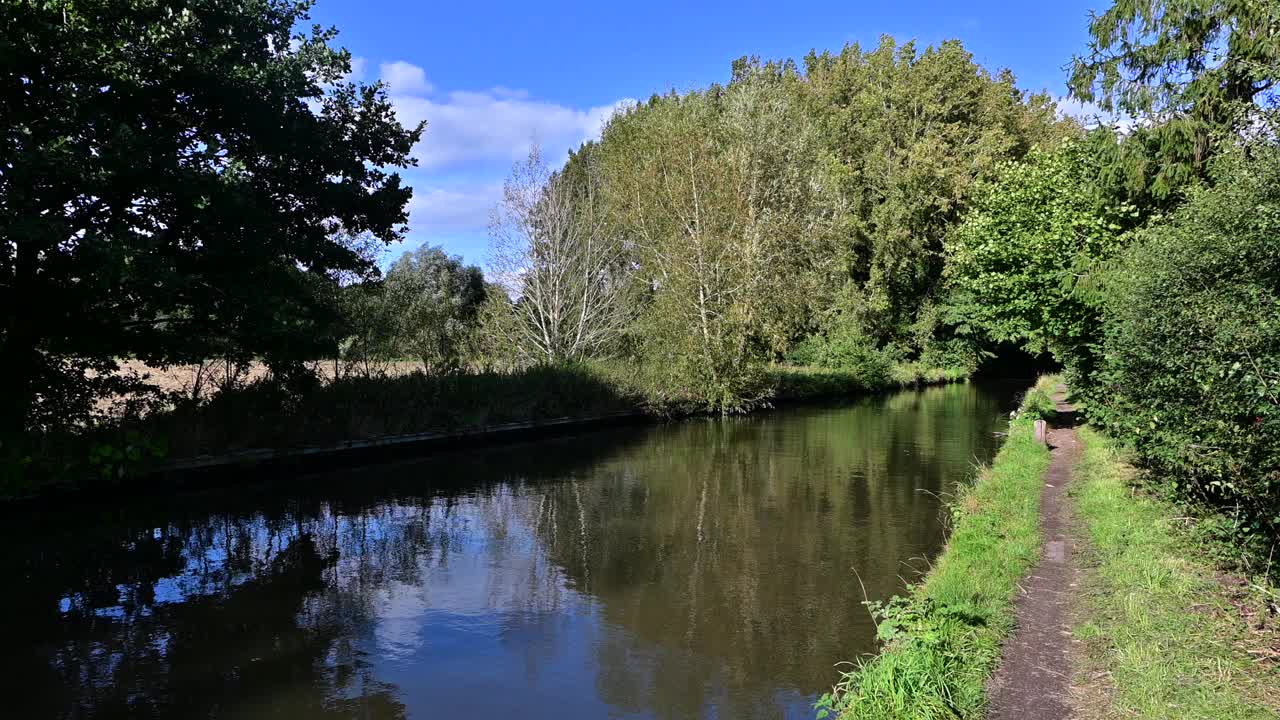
850	352
957	354
1191	370
1038	403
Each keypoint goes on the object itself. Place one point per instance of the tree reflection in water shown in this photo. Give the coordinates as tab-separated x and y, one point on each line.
701	568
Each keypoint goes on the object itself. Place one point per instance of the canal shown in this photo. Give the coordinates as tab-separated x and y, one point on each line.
710	568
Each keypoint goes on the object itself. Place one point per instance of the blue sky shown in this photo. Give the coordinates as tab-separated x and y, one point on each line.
492	77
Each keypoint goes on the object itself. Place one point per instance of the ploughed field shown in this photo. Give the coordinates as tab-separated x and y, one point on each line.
704	568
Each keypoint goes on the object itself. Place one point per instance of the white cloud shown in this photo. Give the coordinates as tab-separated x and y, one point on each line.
485	126
452	209
472	137
466	127
404	78
358	67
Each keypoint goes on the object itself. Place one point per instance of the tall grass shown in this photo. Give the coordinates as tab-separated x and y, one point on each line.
261	412
792	382
1158	623
942	641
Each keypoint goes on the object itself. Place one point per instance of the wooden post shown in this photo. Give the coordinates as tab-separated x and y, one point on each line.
1042	432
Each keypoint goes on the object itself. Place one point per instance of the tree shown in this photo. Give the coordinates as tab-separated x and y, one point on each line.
722	194
911	133
1022	264
432	300
1187	69
171	177
1191	376
550	253
367	333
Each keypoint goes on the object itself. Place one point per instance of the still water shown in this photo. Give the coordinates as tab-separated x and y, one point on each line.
701	569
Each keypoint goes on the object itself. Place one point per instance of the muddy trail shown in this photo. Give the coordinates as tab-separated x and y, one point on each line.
1034	677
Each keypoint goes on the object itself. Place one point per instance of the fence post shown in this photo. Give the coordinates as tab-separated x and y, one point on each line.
1042	430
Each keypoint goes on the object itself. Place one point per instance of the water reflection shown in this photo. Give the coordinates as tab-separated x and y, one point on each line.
701	569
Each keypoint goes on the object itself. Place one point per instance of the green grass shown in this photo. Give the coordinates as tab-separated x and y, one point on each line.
1157	619
796	382
1039	402
263	414
943	640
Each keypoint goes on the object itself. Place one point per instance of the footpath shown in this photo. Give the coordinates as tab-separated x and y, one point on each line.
1034	677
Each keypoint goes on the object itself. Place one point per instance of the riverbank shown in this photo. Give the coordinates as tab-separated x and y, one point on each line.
262	425
942	641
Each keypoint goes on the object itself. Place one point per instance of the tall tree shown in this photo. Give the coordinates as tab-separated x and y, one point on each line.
433	299
171	177
552	255
1186	69
912	132
722	194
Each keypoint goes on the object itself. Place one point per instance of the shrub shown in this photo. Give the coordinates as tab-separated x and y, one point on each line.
1039	403
1191	370
957	354
851	352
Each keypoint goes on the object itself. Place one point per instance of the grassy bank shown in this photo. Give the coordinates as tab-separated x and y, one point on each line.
942	641
1172	638
263	413
791	382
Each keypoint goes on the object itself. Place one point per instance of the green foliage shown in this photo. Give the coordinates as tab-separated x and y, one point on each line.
368	330
933	647
719	193
942	641
795	382
174	174
1191	70
114	460
850	352
909	134
788	204
1192	342
1038	403
433	300
1022	265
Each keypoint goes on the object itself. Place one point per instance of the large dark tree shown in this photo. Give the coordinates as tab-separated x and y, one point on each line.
172	177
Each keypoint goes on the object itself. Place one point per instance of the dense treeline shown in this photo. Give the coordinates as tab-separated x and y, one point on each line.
789	214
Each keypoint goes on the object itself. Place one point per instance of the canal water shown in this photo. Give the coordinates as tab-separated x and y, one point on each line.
711	568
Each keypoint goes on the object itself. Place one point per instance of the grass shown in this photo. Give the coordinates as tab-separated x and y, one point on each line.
942	641
795	382
1158	622
257	412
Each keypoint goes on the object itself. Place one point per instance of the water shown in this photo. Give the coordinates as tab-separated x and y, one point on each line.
709	568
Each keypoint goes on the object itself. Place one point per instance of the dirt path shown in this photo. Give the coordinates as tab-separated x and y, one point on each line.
1033	681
